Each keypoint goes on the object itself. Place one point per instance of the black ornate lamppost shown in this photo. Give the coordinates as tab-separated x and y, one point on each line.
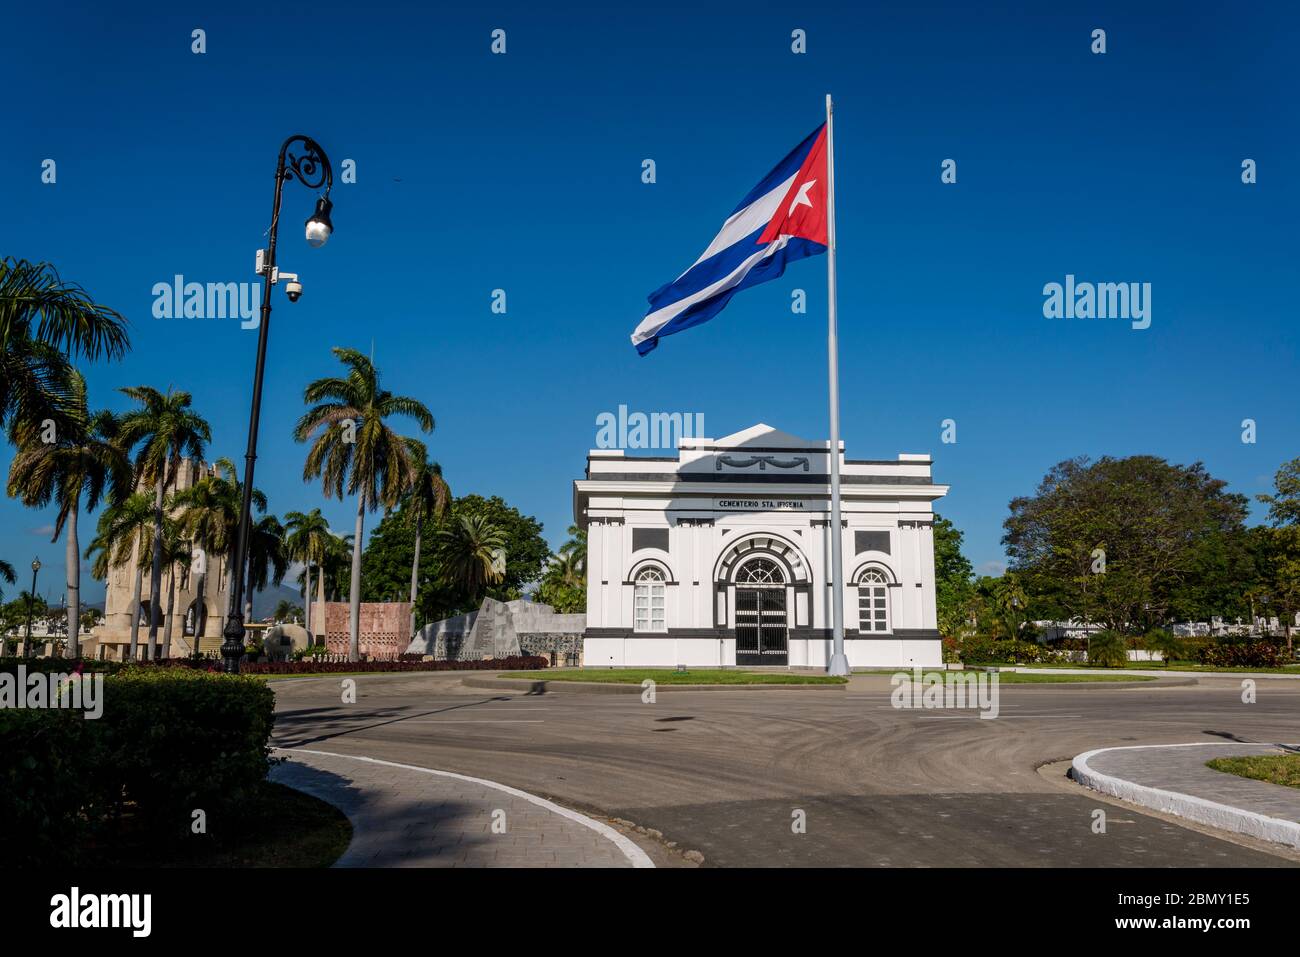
301	157
31	604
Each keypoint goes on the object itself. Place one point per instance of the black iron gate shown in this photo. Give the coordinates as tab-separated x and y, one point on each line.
760	626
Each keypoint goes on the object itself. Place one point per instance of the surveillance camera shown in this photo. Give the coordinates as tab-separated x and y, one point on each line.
293	289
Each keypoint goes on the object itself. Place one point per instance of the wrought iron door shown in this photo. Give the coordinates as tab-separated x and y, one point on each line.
761	626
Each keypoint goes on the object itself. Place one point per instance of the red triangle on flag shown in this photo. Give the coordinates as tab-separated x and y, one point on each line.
802	213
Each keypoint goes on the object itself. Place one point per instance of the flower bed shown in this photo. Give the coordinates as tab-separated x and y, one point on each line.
307	667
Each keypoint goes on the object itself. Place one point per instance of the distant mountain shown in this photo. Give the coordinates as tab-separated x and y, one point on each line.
264	602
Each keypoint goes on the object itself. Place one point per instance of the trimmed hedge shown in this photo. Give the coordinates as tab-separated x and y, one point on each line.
170	741
982	649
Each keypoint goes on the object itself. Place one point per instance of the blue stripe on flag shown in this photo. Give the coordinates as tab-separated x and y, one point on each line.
771	268
782	171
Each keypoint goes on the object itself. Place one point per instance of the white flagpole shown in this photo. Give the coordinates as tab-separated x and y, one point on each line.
839	663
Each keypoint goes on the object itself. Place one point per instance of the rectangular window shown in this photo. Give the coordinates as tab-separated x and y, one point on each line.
873	609
648	607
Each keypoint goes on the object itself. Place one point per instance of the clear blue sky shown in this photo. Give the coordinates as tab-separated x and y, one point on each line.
523	172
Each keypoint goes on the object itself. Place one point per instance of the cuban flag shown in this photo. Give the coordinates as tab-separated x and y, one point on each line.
782	219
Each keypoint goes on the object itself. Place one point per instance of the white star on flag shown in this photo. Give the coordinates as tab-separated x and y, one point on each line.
802	198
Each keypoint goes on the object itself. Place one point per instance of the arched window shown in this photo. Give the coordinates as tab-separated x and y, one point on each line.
648	601
761	571
873	601
195	609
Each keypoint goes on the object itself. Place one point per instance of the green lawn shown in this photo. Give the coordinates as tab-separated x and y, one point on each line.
666	676
1020	678
278	827
1174	666
1274	768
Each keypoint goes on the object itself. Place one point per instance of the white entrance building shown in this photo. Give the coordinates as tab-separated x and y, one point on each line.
720	555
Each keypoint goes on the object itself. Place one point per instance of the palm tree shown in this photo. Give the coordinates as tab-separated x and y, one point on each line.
43	322
176	555
575	549
286	610
207	514
337	567
472	553
84	462
428	495
6	573
308	541
569	571
1010	601
166	430
267	560
123	535
355	449
100	554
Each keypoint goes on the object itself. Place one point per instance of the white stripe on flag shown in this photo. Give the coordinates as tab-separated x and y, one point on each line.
652	323
742	223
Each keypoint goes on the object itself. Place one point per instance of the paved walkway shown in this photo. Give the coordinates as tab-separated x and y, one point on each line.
1174	778
406	816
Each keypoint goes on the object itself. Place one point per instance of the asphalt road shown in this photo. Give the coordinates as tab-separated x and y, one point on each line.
726	773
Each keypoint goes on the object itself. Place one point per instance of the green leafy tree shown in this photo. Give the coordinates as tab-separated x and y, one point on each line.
166	430
26	607
1284	503
80	464
1278	549
1220	578
953	586
391	549
353	448
1115	540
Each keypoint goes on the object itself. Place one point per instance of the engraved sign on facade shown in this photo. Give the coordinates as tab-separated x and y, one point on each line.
761	504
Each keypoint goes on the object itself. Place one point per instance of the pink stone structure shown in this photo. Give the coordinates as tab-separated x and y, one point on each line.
385	628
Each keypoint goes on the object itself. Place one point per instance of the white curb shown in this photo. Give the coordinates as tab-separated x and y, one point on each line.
1197	809
634	854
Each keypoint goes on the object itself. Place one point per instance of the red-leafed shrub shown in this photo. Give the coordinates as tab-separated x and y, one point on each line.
310	666
1256	654
513	663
